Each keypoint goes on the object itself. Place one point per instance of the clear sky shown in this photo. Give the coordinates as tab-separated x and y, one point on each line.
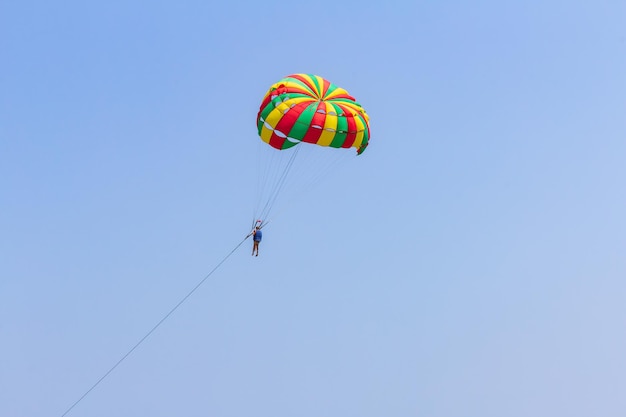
469	263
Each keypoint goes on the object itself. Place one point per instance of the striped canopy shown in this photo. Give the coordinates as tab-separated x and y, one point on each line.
308	108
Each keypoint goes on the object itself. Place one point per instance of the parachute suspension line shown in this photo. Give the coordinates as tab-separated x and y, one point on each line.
313	167
266	172
106	374
283	175
270	167
277	170
281	182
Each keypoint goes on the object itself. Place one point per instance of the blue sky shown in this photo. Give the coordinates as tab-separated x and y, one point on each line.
469	263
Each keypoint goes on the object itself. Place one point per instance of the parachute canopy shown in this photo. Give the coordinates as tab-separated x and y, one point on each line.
308	108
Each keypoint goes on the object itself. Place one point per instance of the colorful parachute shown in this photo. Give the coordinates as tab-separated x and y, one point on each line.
308	108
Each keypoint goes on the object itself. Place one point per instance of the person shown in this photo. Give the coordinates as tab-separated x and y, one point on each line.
257	235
